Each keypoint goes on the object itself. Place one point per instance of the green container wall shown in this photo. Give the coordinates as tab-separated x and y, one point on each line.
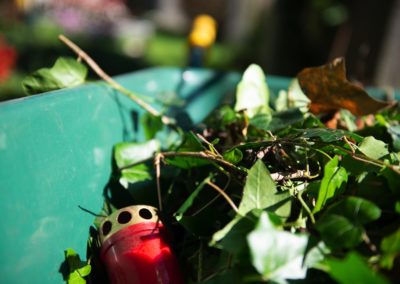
55	155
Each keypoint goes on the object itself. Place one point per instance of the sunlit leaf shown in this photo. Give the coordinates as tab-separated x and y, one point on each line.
66	72
333	179
135	174
353	269
277	254
127	153
329	90
126	156
78	269
373	148
252	92
260	192
296	97
233	155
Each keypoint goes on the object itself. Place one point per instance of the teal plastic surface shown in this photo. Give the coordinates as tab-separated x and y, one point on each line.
55	155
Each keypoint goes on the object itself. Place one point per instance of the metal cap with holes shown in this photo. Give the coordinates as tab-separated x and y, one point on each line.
125	217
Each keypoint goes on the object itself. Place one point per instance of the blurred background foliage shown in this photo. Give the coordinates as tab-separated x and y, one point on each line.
282	36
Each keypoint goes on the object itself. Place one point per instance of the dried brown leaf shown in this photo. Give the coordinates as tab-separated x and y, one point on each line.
329	90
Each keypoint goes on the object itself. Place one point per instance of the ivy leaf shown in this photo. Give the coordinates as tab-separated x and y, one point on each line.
189	201
358	210
66	72
78	269
126	154
233	155
261	121
135	174
390	247
334	177
277	254
252	92
260	192
191	144
329	90
327	134
220	234
339	232
285	118
353	269
373	148
342	224
151	125
234	240
296	97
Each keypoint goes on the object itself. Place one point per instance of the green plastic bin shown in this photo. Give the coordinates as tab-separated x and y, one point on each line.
55	155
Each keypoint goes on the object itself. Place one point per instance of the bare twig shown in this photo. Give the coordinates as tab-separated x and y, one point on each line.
369	160
100	72
224	195
278	176
201	137
206	156
212	200
157	160
349	143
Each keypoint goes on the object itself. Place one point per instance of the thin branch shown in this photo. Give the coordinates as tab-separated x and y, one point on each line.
224	195
322	152
157	160
201	137
103	75
214	198
305	206
200	155
206	156
348	143
368	160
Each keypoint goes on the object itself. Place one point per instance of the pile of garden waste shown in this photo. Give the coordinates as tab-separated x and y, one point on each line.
300	186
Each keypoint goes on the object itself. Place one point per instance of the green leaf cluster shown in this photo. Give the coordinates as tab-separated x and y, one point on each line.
78	270
66	72
263	191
